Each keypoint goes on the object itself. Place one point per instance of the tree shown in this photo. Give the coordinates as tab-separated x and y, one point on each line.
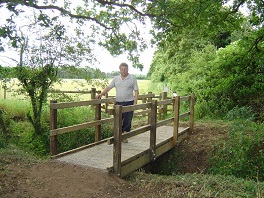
40	56
111	24
237	79
189	60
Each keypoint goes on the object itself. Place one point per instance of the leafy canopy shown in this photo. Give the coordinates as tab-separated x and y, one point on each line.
111	24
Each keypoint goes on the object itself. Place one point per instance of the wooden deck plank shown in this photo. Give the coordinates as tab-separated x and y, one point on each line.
101	156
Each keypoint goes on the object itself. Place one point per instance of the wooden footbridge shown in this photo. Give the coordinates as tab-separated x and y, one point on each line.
145	143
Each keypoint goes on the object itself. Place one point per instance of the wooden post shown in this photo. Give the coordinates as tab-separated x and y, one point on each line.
160	108
117	139
149	115
153	130
176	108
98	128
106	104
144	100
164	107
53	125
192	100
93	93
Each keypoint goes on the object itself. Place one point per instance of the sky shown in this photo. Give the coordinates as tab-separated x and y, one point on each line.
107	63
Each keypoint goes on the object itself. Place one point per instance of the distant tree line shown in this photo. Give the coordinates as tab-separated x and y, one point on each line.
71	73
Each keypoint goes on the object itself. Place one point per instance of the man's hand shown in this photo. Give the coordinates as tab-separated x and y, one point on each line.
98	96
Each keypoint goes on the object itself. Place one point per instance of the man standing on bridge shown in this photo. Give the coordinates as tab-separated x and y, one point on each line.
126	94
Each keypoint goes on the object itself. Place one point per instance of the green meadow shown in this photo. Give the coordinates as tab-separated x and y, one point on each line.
12	91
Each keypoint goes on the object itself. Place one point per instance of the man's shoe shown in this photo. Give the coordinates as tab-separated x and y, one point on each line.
125	140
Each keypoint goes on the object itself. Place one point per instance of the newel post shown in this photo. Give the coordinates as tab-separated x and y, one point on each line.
176	119
93	93
153	129
149	100
53	125
117	139
164	107
106	104
98	128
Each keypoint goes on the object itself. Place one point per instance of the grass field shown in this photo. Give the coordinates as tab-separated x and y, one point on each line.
71	85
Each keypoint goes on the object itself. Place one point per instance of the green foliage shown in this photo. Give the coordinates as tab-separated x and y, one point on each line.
21	132
242	154
10	111
206	55
221	79
235	79
201	19
243	113
71	72
36	83
4	129
197	185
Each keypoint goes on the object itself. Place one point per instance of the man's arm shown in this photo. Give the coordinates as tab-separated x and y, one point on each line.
136	92
103	92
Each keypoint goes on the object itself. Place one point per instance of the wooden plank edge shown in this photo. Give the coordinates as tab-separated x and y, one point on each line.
183	135
77	149
164	146
135	163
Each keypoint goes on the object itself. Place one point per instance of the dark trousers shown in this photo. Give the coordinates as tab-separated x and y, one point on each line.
127	116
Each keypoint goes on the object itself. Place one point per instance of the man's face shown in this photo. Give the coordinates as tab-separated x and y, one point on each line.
123	70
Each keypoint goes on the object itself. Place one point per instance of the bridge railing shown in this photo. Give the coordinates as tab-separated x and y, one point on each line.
97	122
149	107
122	168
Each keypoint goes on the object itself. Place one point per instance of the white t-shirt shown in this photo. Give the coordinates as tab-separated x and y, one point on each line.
124	88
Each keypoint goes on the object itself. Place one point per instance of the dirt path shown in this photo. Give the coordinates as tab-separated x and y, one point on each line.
53	179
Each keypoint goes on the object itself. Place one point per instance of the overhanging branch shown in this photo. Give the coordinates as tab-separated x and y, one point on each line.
60	9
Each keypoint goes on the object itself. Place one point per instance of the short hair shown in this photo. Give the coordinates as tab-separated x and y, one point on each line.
123	64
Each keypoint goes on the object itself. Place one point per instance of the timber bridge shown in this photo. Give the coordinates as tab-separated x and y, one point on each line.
158	135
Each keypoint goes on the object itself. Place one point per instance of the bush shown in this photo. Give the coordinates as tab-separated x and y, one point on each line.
24	137
242	154
242	113
4	128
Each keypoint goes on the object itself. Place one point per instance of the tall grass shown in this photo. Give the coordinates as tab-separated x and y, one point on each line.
20	132
242	154
197	185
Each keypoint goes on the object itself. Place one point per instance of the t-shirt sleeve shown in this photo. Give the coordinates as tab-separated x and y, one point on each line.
112	83
135	83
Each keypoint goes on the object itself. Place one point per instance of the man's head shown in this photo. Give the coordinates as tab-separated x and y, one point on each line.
123	67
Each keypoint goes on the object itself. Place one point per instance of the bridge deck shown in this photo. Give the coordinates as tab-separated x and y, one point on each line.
101	155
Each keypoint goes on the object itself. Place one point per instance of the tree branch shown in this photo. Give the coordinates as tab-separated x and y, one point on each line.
131	7
53	7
